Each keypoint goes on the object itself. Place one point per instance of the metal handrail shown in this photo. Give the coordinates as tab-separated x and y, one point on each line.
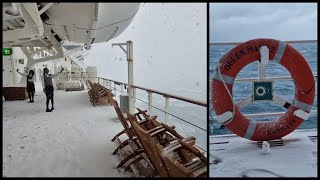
288	42
268	78
189	100
270	114
157	92
166	95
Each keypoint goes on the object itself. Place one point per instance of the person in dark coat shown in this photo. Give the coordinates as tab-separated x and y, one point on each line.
30	84
48	87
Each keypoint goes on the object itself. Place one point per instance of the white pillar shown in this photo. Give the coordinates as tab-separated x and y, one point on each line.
166	108
149	102
130	75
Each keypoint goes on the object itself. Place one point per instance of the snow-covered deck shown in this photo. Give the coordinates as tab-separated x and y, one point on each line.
239	157
73	140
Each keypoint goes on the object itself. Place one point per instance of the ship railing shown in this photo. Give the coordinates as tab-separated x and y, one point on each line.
119	88
265	114
240	80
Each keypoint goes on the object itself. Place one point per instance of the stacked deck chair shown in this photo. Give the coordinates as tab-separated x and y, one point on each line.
163	135
148	124
99	94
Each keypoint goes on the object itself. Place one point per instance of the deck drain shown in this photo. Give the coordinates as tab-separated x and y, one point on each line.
276	142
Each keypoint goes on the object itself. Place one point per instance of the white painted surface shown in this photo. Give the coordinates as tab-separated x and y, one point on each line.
297	158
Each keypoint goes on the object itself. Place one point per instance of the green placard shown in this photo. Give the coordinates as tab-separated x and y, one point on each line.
6	51
262	90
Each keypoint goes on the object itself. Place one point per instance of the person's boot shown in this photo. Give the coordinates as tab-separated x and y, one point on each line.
52	109
48	110
30	101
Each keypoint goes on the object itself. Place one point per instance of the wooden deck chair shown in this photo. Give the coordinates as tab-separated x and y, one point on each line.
138	149
171	135
158	133
170	129
99	94
180	167
128	128
148	143
124	121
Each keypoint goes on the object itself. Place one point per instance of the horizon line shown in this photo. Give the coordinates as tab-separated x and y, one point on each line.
289	42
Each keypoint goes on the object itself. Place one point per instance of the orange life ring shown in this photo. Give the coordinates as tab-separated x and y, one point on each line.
248	52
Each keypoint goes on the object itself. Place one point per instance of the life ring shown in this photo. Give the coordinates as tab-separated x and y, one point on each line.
246	53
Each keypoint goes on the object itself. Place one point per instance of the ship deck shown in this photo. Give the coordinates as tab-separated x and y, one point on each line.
239	157
73	140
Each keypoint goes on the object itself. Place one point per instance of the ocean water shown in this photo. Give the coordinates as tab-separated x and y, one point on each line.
284	88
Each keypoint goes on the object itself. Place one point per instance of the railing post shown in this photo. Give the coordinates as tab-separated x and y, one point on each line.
129	53
115	90
121	86
149	102
130	75
166	108
133	99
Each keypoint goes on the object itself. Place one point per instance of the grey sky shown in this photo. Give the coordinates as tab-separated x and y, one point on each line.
170	49
237	22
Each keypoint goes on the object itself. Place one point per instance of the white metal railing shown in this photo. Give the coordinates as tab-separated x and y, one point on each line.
288	42
112	84
264	114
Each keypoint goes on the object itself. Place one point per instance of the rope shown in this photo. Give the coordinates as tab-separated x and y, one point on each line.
229	93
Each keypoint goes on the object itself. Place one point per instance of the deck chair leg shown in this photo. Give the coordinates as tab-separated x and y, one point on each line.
119	134
138	152
132	162
123	144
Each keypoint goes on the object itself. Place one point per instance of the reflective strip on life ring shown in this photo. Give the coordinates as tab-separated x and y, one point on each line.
246	53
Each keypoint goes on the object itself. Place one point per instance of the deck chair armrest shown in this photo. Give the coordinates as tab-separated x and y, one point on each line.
172	147
193	150
172	131
140	112
142	121
189	139
154	129
157	132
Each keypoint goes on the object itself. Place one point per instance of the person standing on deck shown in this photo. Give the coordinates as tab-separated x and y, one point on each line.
30	84
48	86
